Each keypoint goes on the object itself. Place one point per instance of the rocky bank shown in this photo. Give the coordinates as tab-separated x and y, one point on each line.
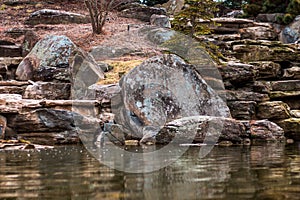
49	91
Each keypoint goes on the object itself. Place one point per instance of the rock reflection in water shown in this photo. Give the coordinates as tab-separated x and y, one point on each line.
257	172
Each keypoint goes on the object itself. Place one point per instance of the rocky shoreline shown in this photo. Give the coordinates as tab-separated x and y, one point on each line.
43	91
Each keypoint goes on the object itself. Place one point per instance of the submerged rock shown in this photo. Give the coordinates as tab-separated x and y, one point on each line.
161	89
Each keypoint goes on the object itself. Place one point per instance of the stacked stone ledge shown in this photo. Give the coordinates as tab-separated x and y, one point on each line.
263	80
35	94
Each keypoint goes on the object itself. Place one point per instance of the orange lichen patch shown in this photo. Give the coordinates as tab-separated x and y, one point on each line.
119	69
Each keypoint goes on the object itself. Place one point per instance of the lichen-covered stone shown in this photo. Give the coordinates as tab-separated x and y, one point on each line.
265	130
290	34
273	110
262	50
161	89
56	58
48	60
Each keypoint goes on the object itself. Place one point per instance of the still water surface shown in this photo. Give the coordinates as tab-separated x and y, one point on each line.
70	172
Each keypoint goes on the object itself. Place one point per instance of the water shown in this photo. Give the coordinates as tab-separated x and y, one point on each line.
258	172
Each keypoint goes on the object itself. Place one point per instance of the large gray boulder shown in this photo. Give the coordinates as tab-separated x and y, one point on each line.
57	58
48	60
161	89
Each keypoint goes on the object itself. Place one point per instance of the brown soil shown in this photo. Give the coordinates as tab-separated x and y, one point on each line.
13	17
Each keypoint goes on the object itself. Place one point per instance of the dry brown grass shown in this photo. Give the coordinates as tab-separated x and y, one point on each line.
120	68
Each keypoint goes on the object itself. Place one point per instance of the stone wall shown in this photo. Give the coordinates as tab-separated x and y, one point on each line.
261	77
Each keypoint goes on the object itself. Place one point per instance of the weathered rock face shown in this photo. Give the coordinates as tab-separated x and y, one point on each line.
287	85
56	58
242	110
241	95
266	69
250	50
258	33
48	16
162	89
265	130
237	73
293	72
158	35
273	110
8	49
200	129
268	17
160	21
42	120
142	12
48	90
8	67
291	127
48	60
30	39
290	34
231	25
104	94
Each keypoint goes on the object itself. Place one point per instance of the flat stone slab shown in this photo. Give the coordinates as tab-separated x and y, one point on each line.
10	51
286	85
49	16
